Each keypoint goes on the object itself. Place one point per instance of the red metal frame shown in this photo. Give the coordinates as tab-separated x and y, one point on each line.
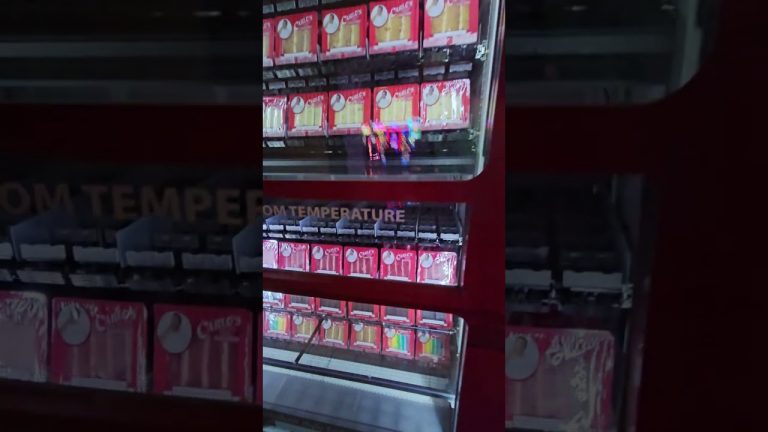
680	142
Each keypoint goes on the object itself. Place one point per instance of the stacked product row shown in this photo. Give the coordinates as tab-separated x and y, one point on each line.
198	351
390	331
424	247
379	27
432	106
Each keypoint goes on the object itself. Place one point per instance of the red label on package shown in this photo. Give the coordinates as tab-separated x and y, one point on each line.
437	267
307	114
267	42
433	347
272	299
296	38
302	327
99	344
398	315
269	253
445	105
434	319
398	342
327	259
293	256
277	324
570	372
363	311
450	22
395	105
23	336
394	26
331	307
343	33
361	261
299	303
398	264
334	332
203	352
273	116
365	336
349	110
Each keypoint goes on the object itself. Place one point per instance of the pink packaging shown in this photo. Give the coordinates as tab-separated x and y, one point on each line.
299	303
436	267
273	110
308	114
293	256
269	253
277	324
296	40
364	311
99	344
361	261
334	332
271	299
398	315
331	307
394	26
326	259
450	22
398	264
433	347
23	336
365	336
349	110
445	105
563	375
398	342
268	42
344	32
203	352
302	327
395	105
434	319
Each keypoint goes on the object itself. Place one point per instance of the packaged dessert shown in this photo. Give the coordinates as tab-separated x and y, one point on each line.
394	26
334	332
23	336
293	256
331	307
571	372
269	253
203	352
398	342
299	303
296	38
398	315
396	105
349	110
361	261
303	326
344	32
438	267
445	105
271	299
433	347
450	22
99	344
307	114
398	264
267	42
273	115
434	319
365	336
365	311
277	324
327	259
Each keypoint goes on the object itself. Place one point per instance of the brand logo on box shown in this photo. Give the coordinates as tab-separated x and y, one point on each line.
315	100
403	7
304	22
333	250
402	256
205	328
357	97
353	16
118	315
366	253
405	92
17	309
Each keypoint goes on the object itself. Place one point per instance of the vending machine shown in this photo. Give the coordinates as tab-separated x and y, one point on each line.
381	143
